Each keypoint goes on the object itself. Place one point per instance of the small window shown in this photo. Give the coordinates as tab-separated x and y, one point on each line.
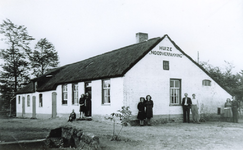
75	94
40	100
64	94
19	100
206	83
106	92
166	65
28	100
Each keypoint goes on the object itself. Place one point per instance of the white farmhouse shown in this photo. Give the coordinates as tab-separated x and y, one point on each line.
156	67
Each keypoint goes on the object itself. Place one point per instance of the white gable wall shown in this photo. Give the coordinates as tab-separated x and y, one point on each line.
148	77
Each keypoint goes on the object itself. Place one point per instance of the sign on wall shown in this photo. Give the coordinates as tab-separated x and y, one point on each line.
165	51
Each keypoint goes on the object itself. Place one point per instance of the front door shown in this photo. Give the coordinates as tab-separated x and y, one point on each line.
54	104
88	89
33	107
23	106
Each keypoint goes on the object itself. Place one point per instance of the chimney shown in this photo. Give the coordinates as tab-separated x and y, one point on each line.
140	37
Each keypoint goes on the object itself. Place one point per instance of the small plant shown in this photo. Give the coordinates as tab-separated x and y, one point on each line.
123	116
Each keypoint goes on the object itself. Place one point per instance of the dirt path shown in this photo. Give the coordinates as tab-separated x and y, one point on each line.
178	136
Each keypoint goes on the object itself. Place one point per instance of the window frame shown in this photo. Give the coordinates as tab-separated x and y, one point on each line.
64	101
108	88
40	100
176	88
206	82
75	92
166	65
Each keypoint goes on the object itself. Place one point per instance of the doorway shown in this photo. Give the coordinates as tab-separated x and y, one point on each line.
23	106
54	104
33	107
88	89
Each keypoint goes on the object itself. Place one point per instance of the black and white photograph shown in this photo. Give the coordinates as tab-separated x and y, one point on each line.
121	74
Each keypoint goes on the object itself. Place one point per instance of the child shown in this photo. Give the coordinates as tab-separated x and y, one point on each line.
141	111
72	116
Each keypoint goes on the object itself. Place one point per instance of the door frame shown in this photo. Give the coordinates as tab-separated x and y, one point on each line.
54	105
33	106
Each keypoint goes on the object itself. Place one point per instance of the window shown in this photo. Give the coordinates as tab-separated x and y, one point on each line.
40	100
75	94
206	82
64	94
19	100
106	92
28	100
166	65
175	91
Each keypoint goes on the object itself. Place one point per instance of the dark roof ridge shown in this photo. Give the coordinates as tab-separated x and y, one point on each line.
108	52
113	51
47	73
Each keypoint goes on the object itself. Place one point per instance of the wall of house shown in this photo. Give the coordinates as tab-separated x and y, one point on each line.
41	112
98	108
63	110
116	97
148	77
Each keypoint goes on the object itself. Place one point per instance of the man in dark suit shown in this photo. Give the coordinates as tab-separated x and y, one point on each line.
186	105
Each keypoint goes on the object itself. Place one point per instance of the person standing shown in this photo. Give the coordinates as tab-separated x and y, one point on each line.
235	106
186	105
228	110
195	109
82	107
141	111
87	105
149	104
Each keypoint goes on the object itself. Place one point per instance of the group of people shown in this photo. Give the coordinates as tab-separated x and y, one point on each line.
231	110
145	110
193	105
85	105
85	108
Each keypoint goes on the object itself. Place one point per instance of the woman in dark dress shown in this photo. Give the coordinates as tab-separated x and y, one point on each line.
88	105
82	107
141	111
149	109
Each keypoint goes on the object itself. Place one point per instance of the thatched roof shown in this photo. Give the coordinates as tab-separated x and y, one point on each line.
111	64
108	65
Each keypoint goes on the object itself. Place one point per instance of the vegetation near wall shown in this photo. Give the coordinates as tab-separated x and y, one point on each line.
232	82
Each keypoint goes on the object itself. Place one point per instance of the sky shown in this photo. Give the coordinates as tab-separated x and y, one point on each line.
80	29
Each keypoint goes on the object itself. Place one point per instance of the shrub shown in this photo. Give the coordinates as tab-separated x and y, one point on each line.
124	116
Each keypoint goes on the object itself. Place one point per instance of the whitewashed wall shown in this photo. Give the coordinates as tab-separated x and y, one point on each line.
148	77
63	109
116	96
45	109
